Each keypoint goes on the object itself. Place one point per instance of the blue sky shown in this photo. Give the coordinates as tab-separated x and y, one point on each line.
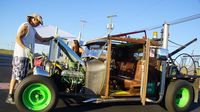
131	15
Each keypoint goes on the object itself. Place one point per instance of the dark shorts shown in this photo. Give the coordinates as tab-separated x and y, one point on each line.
20	67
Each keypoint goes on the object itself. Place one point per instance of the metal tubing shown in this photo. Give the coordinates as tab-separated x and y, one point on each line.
53	51
101	100
162	86
182	47
165	35
39	71
129	33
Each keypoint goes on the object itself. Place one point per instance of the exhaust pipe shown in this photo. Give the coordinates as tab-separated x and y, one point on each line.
101	100
165	36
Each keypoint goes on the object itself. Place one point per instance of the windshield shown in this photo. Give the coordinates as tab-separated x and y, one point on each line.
95	51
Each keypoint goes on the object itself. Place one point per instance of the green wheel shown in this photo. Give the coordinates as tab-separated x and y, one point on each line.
36	93
179	96
182	97
36	96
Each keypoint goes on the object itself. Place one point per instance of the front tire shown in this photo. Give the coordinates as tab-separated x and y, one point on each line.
36	94
179	96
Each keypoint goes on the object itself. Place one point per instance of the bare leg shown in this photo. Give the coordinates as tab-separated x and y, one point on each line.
10	98
12	86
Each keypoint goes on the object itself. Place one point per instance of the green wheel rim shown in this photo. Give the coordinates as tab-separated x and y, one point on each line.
182	97
36	96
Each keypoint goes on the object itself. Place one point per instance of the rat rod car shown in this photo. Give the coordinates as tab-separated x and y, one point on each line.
116	68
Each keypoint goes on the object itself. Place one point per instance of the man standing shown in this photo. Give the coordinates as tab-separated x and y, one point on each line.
25	43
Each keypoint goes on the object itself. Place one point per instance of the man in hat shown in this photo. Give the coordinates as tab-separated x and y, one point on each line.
25	43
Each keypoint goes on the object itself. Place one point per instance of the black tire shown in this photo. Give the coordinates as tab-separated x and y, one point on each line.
175	92
24	89
30	72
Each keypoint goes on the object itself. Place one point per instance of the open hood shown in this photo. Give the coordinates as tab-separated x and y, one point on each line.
49	30
69	52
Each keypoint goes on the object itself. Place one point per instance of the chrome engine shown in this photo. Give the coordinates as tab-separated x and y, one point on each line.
74	80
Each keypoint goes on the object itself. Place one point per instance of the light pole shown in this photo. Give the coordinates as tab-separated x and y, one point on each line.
110	26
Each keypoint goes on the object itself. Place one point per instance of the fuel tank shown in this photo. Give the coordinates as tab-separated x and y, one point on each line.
95	77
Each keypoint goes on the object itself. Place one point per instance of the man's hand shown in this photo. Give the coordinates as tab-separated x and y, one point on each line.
52	37
49	39
28	50
29	53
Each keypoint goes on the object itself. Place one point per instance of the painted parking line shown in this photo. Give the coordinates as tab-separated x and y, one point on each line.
4	85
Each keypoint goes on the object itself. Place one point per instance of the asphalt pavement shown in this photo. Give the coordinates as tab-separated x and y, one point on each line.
63	106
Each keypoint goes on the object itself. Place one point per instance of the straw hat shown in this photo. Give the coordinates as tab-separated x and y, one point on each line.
36	16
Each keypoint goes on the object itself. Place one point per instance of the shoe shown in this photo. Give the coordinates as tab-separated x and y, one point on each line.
10	99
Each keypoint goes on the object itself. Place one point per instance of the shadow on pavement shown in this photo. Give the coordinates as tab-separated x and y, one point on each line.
108	107
64	106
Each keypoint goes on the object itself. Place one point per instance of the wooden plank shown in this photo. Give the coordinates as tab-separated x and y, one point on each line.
108	69
132	40
135	40
196	90
154	43
143	90
129	33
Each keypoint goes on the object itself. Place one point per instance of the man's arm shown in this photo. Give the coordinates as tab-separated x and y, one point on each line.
43	39
22	32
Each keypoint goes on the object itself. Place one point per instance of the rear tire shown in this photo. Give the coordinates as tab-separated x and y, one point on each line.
179	96
36	93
